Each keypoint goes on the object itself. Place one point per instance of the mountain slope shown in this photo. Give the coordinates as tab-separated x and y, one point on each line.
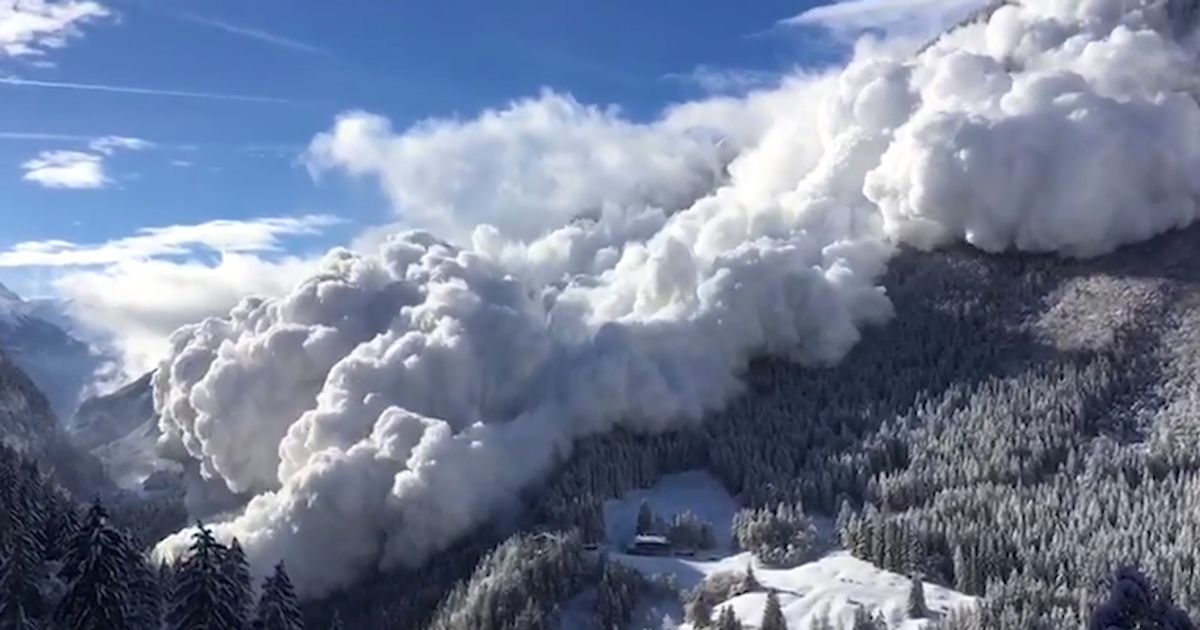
28	425
121	430
61	365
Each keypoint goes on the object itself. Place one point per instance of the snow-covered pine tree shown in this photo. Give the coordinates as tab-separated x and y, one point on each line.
699	612
336	622
278	608
728	620
645	519
820	621
22	604
916	599
773	618
862	620
146	592
238	570
97	572
203	595
749	582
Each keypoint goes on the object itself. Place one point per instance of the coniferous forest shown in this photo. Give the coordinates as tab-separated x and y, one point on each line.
1051	473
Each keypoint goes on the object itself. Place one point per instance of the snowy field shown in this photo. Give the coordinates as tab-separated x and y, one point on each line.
836	584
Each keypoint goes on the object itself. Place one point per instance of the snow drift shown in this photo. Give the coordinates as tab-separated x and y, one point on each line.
628	271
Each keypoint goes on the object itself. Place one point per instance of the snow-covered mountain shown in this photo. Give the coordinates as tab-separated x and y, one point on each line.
28	424
121	429
34	334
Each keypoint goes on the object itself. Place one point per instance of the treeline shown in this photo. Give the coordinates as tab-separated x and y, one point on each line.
63	569
962	443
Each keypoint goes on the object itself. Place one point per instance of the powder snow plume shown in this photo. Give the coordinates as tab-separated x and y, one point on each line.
612	273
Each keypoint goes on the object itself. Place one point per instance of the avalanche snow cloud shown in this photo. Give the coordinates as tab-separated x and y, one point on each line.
606	272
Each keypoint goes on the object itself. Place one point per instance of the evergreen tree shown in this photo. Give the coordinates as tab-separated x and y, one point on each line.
773	618
749	582
22	604
645	519
336	622
821	621
97	570
278	608
204	596
727	620
862	620
699	612
916	599
238	570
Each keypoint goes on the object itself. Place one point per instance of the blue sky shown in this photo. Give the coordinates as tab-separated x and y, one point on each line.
155	161
407	61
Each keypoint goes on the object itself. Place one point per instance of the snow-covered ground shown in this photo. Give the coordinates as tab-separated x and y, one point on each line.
695	490
836	584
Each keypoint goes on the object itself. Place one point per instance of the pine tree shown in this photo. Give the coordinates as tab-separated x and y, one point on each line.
97	572
146	593
203	595
862	620
22	604
336	622
238	570
916	599
278	608
645	519
821	621
749	582
699	612
728	620
773	618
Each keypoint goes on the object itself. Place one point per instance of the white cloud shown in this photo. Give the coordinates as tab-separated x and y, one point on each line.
66	169
131	293
134	305
914	18
715	80
222	236
31	27
78	170
525	169
110	144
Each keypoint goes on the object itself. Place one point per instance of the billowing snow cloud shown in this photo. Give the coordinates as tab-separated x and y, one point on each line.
393	401
525	169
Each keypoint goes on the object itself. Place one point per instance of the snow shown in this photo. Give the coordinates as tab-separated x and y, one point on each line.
133	458
836	583
694	490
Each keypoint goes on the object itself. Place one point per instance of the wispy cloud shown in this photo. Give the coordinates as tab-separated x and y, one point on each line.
36	136
123	89
78	170
265	37
29	28
896	17
222	236
715	80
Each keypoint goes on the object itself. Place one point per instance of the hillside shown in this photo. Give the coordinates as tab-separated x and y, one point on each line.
29	427
33	337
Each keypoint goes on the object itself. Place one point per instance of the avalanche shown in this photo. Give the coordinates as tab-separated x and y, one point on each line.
610	273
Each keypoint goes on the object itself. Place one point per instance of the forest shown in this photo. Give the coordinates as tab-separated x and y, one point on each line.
985	439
